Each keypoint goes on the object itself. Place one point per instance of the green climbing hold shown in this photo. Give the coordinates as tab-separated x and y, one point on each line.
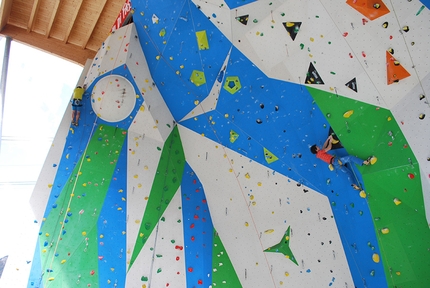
159	270
144	278
162	32
269	156
163	219
302	46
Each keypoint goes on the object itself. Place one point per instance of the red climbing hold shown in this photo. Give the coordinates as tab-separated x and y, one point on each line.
92	272
177	258
345	34
192	226
177	247
196	216
411	176
200	282
190	269
193	238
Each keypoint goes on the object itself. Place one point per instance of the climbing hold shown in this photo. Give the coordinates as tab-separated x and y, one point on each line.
422	116
269	156
259	121
312	77
411	176
397	201
405	28
385	25
391	50
376	6
372	273
202	40
233	136
232	84
292	28
422	96
385	230
247	176
197	78
375	257
363	194
269	231
348	114
287	274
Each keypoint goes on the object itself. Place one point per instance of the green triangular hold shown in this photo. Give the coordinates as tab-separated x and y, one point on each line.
284	247
223	270
233	136
166	182
269	156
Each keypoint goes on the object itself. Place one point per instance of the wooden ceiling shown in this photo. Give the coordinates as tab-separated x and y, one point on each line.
71	29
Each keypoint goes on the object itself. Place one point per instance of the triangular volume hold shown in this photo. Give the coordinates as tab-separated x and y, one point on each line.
312	77
352	85
269	156
292	28
395	71
243	19
371	9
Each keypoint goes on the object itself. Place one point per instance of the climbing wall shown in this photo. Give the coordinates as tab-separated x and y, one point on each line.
191	165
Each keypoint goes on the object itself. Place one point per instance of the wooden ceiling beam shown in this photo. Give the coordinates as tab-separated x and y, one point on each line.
69	52
5	8
32	15
52	19
72	22
90	30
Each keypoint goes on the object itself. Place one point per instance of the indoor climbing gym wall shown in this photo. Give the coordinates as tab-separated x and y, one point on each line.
191	164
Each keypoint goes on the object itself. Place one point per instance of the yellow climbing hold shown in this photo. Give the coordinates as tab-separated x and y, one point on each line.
287	274
375	257
397	201
269	231
269	156
289	24
385	230
348	114
157	57
287	238
51	279
251	197
63	261
84	233
259	184
388	118
202	40
398	273
363	194
247	176
246	224
49	185
47	234
196	102
233	136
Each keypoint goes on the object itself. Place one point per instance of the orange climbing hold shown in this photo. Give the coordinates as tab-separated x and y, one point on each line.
368	8
395	71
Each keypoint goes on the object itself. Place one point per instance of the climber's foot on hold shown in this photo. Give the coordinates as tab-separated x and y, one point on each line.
355	187
370	160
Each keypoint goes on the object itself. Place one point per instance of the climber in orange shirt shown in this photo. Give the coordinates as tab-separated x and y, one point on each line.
339	162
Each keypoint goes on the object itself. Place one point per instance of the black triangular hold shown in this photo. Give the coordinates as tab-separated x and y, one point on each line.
243	19
352	85
312	77
292	28
336	144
